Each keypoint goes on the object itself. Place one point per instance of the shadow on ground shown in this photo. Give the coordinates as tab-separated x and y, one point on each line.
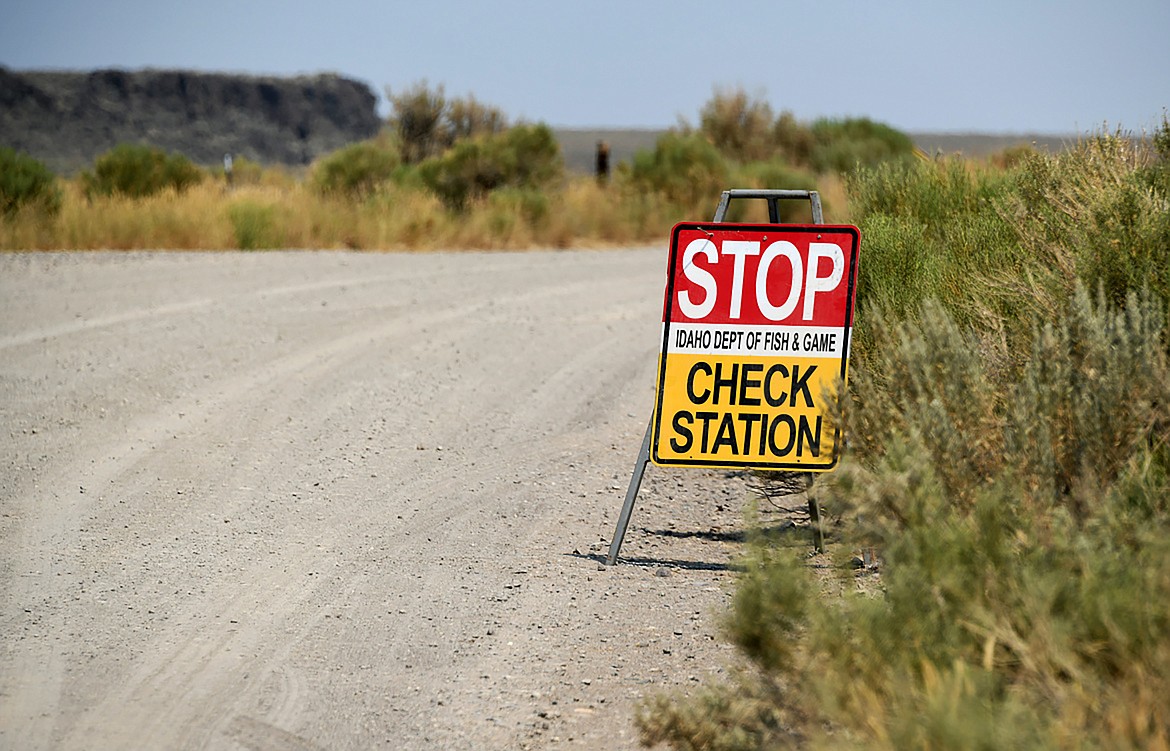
659	563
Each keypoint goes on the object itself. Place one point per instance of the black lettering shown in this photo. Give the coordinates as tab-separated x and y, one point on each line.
725	383
726	435
807	433
696	398
801	384
775	401
748	419
776	449
776	340
746	382
706	417
779	434
684	431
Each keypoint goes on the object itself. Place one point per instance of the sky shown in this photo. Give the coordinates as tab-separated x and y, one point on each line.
993	66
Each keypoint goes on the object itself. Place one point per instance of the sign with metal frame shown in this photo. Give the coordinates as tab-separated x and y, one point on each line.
743	333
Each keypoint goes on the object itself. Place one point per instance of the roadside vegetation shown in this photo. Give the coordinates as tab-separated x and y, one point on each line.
1008	461
445	172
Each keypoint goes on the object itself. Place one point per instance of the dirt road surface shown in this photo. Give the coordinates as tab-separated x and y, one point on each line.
297	500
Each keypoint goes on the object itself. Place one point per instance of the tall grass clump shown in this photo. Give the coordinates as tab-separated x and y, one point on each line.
930	229
137	171
26	182
1098	212
254	225
1001	246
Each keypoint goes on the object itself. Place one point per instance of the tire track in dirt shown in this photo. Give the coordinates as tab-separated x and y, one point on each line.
141	703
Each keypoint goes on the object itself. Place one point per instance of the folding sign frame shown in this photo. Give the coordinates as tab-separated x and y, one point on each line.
773	198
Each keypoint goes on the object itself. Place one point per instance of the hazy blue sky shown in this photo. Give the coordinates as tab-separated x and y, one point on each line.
992	66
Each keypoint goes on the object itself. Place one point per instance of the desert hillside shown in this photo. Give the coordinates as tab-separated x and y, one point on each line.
66	119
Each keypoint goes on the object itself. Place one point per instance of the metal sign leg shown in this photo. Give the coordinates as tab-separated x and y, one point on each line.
619	534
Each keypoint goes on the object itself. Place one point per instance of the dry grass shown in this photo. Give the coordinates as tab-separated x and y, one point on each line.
277	210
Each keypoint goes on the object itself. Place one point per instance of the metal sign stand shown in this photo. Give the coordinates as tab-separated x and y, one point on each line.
773	197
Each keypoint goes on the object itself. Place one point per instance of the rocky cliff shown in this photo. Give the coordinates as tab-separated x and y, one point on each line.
66	119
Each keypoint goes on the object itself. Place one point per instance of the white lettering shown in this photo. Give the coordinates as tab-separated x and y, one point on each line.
814	284
699	276
740	249
776	249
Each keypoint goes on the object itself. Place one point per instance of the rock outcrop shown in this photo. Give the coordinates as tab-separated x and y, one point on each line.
66	119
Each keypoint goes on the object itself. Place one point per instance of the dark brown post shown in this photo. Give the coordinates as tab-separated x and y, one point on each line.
602	161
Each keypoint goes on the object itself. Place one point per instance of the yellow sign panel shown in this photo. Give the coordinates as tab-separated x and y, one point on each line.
758	410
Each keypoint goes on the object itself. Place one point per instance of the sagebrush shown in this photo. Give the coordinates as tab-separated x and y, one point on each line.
1008	432
26	183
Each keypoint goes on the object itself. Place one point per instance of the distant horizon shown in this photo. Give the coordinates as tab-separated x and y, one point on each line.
383	104
998	67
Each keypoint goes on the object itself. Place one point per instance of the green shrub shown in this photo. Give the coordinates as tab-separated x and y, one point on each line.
954	202
356	170
685	169
524	156
1157	175
843	145
468	118
1023	518
254	225
24	181
744	130
936	230
417	120
1000	247
136	171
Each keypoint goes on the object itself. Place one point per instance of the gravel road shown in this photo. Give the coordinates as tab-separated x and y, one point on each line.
302	500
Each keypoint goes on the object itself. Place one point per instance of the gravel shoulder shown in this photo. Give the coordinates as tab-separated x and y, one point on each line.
304	500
